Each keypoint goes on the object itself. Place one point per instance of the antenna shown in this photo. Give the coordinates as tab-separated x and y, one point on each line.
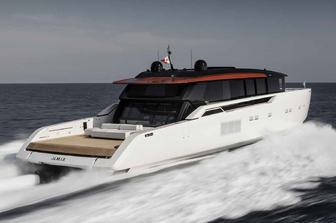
191	59
169	53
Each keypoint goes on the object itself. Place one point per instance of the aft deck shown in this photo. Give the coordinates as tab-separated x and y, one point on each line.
77	145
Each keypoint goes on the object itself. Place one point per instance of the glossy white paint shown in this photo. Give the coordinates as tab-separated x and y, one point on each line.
189	139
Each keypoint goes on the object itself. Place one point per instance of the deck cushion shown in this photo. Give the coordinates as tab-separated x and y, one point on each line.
108	133
121	126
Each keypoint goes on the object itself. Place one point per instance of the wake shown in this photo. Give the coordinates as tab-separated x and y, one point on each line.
14	175
257	177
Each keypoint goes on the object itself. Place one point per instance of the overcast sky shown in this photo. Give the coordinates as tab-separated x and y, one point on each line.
101	41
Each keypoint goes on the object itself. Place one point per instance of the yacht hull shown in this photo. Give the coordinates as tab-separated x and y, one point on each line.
242	122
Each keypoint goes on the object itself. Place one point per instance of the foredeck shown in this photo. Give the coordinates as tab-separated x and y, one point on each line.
77	145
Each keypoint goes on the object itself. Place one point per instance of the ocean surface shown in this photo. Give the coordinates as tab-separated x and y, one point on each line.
286	177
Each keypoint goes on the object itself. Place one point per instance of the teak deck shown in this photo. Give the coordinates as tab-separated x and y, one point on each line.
77	145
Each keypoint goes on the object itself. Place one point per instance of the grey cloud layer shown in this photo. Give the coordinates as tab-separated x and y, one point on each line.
99	41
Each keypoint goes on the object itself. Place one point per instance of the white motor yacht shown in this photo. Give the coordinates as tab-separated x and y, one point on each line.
167	117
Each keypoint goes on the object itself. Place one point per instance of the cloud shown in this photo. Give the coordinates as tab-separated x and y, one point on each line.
61	42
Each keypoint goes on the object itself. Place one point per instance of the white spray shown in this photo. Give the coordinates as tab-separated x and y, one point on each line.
257	177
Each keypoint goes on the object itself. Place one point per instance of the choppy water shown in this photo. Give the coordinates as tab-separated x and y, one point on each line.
288	177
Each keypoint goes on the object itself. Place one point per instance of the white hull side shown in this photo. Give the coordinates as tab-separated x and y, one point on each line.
201	134
194	137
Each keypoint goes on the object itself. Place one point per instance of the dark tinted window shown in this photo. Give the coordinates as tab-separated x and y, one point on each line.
274	84
196	92
261	85
282	83
213	111
148	113
154	90
210	91
226	90
214	91
237	88
246	103
250	87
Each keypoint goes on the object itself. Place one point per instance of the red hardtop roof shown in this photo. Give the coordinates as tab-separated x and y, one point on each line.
186	80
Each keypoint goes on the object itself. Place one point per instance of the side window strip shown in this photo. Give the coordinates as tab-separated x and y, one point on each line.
245	103
213	111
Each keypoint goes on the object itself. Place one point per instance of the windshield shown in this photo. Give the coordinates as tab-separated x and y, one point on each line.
149	113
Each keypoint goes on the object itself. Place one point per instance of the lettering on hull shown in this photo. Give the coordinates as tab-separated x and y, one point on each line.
58	158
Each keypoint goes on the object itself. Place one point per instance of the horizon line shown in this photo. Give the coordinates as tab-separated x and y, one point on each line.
290	82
